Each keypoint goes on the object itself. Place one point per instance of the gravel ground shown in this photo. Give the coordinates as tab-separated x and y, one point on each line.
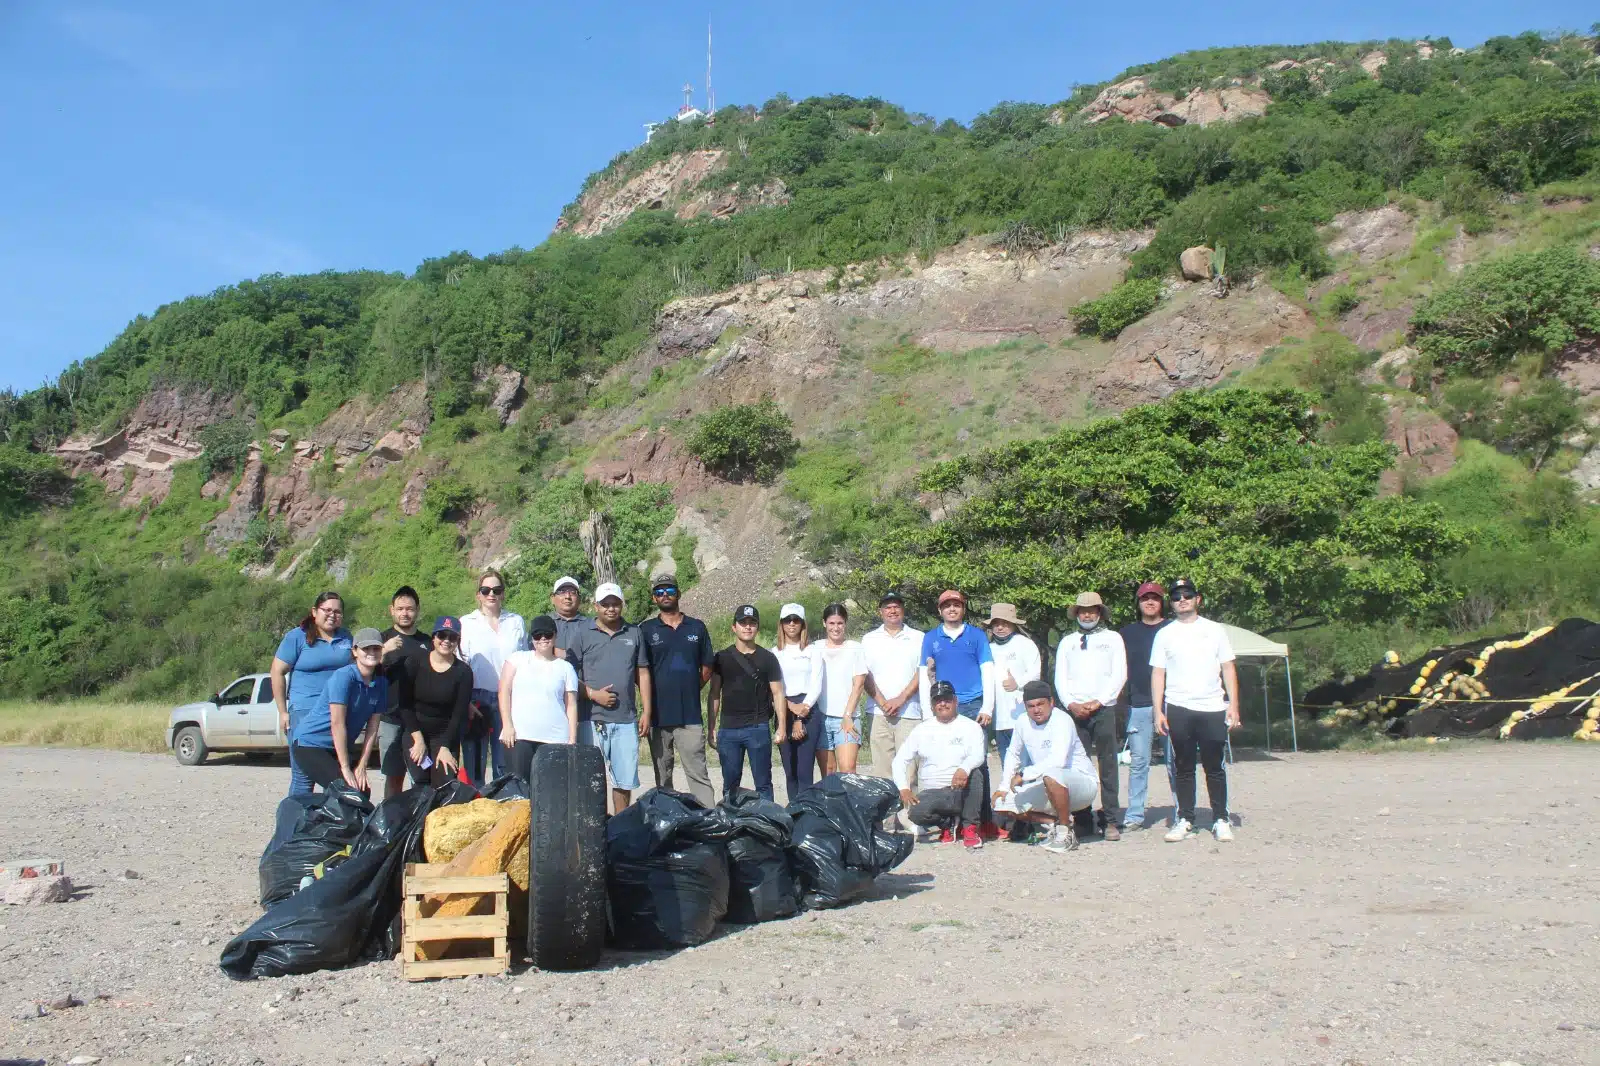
1429	908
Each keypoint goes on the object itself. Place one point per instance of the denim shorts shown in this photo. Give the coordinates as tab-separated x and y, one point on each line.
833	734
619	742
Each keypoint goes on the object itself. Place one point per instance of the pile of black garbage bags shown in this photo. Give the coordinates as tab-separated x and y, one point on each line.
676	868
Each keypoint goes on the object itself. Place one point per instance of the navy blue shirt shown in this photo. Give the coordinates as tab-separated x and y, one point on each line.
676	656
1137	638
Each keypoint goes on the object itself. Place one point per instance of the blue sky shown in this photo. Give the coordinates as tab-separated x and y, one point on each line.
154	150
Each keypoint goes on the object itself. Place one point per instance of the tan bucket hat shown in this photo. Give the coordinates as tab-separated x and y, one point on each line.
1087	599
1005	612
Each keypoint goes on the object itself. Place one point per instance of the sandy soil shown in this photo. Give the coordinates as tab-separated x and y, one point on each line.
1425	908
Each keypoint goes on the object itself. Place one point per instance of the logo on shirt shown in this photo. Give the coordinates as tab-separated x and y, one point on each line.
695	637
655	638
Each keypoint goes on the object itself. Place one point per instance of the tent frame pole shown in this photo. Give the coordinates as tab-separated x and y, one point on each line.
1294	737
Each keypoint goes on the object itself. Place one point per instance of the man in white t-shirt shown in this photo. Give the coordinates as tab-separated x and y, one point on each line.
1195	689
1047	775
947	750
894	666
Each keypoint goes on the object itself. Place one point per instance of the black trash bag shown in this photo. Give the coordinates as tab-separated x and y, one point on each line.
838	846
667	871
659	820
348	915
671	900
763	884
508	787
326	827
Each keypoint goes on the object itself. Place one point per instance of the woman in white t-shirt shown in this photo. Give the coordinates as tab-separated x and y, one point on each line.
802	688
538	698
844	675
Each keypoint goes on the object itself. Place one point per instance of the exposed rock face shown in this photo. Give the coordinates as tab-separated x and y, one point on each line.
487	546
1426	442
1578	365
162	431
1373	62
1372	235
228	528
1372	326
672	183
1135	101
1194	342
651	456
357	427
508	392
1398	362
1195	263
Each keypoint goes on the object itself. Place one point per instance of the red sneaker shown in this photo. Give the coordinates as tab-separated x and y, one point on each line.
971	839
989	831
947	835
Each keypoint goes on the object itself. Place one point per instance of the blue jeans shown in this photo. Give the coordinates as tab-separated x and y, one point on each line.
731	747
476	751
970	709
1141	737
298	781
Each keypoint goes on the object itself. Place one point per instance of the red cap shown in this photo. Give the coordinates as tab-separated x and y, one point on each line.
951	594
1150	586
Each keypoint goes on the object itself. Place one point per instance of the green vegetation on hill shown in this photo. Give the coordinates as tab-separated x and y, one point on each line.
132	601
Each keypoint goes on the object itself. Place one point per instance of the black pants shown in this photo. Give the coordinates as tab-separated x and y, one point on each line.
522	757
946	807
320	764
1098	734
434	774
799	757
1207	732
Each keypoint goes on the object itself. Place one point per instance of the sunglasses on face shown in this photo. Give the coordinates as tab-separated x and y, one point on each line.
543	636
1179	597
491	590
665	590
448	638
1149	597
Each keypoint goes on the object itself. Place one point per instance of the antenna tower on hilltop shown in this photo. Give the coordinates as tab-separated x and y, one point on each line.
711	96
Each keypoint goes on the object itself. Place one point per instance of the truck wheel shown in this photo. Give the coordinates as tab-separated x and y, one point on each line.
567	857
189	746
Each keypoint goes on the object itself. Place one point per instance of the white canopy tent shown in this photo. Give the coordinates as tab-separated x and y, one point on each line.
1248	645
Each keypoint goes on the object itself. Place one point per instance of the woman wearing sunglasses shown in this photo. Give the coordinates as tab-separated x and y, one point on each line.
307	657
435	690
538	698
488	636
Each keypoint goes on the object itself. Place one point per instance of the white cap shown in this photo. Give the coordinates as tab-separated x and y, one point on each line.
791	610
610	588
563	582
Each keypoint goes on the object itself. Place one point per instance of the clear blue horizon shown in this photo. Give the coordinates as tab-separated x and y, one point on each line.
161	150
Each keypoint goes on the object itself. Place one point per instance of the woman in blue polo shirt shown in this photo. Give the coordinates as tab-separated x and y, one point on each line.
307	656
323	741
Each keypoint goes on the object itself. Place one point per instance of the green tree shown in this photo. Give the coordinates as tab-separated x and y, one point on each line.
748	440
1118	309
1231	487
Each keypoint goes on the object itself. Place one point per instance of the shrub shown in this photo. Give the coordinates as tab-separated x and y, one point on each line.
1341	300
1527	302
1260	228
1118	309
750	440
226	445
1530	422
447	498
28	479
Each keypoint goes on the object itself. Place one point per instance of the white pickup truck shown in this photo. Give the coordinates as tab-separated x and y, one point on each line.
242	717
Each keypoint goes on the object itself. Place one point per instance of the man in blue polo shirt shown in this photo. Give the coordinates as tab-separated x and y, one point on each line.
680	654
960	654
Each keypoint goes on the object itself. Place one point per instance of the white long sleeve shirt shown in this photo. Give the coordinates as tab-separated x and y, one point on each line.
1037	749
486	648
1018	657
939	749
1095	669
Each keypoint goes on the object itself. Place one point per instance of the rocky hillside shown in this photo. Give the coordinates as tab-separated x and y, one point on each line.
906	291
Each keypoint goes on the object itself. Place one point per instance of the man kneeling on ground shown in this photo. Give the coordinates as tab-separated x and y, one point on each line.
948	751
1047	773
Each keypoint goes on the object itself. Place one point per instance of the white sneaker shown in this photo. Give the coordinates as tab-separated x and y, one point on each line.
1061	839
1181	830
1222	831
904	818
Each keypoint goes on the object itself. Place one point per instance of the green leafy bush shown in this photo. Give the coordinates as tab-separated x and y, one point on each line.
1118	309
749	440
29	480
1260	230
225	445
447	498
1529	422
1524	302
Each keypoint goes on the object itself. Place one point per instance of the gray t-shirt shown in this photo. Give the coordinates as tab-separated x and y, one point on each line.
601	659
567	627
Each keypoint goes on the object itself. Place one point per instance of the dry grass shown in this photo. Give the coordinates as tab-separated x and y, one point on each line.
114	726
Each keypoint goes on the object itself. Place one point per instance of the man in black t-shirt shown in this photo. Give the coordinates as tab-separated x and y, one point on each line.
1137	638
400	642
746	692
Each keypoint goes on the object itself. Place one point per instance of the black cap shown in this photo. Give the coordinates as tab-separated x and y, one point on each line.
746	613
543	625
891	597
664	581
1183	583
942	690
1035	690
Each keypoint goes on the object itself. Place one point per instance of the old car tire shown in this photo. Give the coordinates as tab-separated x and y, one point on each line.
189	746
567	857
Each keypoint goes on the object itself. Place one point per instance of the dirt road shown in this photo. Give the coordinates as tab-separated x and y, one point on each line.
1430	908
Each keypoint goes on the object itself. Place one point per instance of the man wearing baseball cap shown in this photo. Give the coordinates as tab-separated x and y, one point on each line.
680	653
324	740
1137	638
960	654
948	753
1091	668
564	598
1195	689
609	657
746	696
1046	775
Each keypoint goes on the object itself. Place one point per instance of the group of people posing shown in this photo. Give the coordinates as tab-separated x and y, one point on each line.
482	692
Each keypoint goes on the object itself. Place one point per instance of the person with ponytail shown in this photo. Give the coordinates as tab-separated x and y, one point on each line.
307	657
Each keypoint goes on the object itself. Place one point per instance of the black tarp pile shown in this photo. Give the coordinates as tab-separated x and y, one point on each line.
349	913
1520	686
675	868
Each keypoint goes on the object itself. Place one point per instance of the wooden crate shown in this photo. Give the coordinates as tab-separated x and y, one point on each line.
428	879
